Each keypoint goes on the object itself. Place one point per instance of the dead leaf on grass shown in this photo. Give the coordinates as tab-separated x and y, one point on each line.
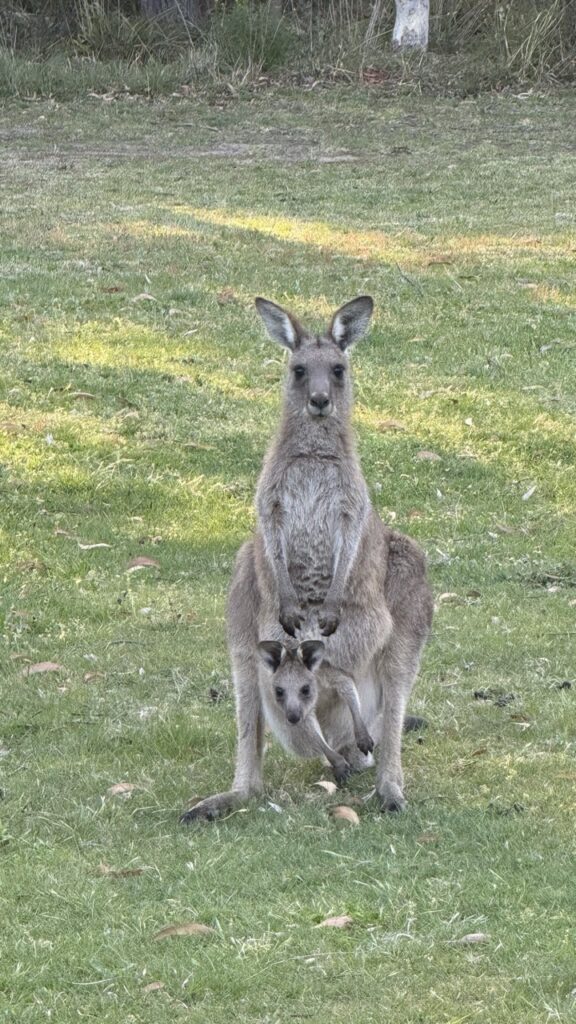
325	784
92	547
124	789
42	666
391	425
142	562
426	456
472	938
450	598
190	928
225	296
82	394
428	837
344	813
89	676
110	872
153	986
144	297
343	921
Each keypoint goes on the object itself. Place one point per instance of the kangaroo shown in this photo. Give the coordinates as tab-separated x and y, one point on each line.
321	549
298	691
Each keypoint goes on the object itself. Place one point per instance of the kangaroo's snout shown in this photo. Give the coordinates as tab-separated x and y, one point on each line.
319	404
294	717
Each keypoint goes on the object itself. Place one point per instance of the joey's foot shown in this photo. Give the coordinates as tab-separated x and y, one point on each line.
391	797
342	772
365	743
290	618
328	618
211	808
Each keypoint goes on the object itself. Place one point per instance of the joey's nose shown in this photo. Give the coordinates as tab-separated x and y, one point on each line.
319	400
294	717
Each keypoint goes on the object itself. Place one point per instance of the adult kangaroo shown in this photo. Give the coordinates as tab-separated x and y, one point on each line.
321	555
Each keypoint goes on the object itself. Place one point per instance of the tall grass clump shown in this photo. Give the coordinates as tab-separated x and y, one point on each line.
253	36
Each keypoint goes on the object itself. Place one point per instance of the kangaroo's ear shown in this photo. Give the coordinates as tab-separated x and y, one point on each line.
281	325
270	652
350	322
311	652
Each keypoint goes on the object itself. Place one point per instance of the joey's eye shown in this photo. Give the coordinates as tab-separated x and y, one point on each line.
279	692
299	372
338	371
305	690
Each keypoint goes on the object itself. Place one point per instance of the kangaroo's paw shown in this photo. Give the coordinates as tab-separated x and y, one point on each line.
342	772
365	743
391	797
211	808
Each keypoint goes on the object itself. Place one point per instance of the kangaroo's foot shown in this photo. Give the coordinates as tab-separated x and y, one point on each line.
212	807
342	771
391	796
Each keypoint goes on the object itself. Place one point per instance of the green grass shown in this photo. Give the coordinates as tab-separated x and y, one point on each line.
134	238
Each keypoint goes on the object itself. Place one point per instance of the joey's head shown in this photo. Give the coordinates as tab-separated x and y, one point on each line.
319	383
292	675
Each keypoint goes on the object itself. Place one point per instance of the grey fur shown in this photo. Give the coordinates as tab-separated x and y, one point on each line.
321	554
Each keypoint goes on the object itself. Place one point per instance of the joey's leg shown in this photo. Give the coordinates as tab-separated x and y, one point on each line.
249	749
317	745
346	689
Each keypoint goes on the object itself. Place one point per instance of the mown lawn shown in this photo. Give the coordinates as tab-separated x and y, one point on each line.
137	396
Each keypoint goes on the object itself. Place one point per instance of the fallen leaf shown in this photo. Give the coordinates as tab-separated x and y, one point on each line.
469	422
391	425
153	986
426	456
529	492
113	288
428	837
63	533
344	921
473	937
479	751
89	676
121	789
190	928
12	428
81	394
330	787
41	666
450	598
344	813
91	547
105	869
225	296
473	593
143	562
144	297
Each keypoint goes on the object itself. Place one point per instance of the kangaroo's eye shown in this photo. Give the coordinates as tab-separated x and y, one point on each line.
305	691
279	692
299	372
338	371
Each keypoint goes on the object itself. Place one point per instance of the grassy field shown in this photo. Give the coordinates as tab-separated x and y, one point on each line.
137	396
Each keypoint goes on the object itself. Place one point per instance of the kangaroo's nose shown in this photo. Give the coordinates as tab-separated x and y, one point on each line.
294	717
319	400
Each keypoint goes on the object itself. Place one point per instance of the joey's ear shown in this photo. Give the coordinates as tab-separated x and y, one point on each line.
350	322
311	652
281	325
270	652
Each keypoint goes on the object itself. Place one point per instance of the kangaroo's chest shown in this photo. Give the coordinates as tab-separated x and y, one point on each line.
311	517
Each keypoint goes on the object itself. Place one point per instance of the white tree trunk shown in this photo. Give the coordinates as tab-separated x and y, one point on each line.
411	26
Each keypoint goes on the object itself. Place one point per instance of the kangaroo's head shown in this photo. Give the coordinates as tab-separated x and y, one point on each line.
319	382
292	675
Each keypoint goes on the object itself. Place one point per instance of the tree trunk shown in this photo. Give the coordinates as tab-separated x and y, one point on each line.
411	26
